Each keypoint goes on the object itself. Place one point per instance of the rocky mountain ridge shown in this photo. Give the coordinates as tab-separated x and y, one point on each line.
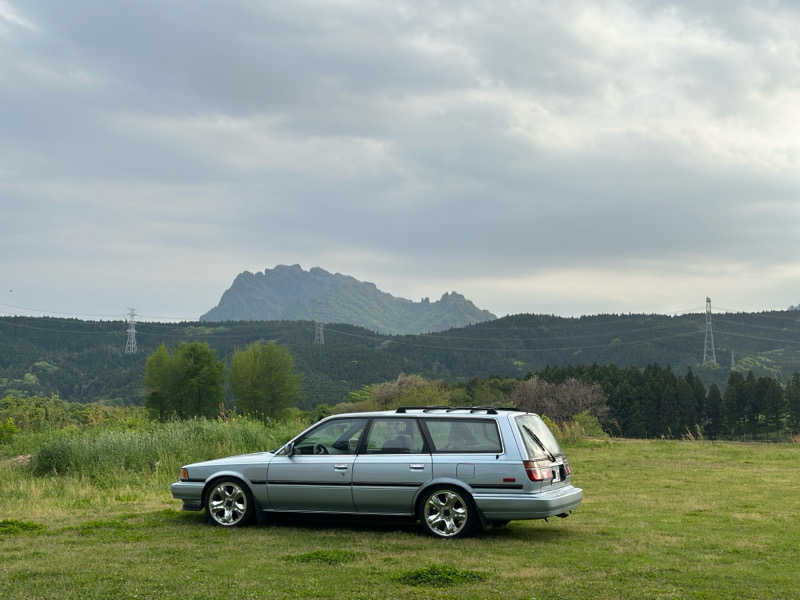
289	293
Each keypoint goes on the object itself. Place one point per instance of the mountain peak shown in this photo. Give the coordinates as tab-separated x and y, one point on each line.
287	292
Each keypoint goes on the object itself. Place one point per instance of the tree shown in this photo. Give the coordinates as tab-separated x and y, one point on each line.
560	401
187	383
774	406
714	412
158	387
263	380
732	402
793	402
687	407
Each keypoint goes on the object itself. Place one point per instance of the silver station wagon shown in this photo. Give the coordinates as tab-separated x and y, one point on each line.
454	469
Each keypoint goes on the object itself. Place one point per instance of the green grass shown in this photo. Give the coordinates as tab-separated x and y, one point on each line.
440	576
660	519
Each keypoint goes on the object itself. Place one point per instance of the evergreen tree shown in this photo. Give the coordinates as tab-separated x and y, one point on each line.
793	402
732	402
757	390
699	396
687	407
714	412
774	406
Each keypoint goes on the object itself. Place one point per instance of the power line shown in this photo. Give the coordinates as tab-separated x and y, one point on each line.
473	349
116	316
445	335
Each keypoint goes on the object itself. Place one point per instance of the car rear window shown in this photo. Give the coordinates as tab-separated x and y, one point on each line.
534	431
464	435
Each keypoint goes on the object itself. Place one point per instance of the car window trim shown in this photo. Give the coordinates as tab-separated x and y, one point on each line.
427	434
361	438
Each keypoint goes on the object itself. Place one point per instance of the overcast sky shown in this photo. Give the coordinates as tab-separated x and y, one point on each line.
547	157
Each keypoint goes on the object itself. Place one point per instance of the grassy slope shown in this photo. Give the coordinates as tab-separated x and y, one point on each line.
660	519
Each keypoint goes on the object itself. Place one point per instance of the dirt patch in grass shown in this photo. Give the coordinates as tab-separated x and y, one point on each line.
14	526
328	557
440	576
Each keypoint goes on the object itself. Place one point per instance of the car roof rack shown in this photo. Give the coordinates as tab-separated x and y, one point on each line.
490	410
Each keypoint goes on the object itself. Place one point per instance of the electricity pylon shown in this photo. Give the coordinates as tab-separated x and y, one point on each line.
130	343
709	352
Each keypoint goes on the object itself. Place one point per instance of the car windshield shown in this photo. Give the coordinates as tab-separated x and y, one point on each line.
535	432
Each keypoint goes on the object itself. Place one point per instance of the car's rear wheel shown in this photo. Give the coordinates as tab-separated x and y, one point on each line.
447	513
229	503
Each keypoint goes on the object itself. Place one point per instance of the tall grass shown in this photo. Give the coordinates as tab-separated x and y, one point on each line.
156	447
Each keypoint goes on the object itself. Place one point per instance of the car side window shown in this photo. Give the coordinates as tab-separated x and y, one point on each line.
339	436
464	435
395	436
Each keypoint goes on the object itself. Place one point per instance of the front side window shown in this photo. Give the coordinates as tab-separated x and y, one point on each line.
339	436
464	435
395	436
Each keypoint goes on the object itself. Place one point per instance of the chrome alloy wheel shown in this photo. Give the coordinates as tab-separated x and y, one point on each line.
227	503
446	513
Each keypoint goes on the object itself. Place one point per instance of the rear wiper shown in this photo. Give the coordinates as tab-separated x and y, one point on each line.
539	443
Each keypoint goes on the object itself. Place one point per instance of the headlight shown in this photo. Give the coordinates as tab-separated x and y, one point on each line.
184	474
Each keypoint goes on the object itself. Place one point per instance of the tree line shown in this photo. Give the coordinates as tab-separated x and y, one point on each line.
655	402
190	381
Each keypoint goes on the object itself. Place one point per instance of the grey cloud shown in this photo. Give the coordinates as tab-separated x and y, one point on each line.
430	142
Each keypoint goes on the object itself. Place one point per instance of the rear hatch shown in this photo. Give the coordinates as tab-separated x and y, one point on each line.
545	463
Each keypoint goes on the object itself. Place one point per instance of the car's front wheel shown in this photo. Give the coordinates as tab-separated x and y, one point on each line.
229	503
448	513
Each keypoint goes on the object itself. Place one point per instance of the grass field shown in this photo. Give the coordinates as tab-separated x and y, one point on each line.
660	519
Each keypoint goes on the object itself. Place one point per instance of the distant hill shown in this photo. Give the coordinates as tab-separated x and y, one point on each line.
288	293
84	360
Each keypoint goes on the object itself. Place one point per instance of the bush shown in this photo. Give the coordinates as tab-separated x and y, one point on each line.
7	430
581	426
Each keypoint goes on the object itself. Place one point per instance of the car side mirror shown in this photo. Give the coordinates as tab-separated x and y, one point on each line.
290	449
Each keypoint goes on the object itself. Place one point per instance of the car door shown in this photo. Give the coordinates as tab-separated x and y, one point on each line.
318	475
391	466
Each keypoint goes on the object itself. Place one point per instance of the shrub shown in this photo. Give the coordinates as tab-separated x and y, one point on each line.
7	430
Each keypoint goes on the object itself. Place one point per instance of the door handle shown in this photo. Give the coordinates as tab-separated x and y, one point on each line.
416	467
340	467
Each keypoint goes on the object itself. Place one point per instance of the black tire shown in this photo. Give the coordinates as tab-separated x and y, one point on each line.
229	503
447	512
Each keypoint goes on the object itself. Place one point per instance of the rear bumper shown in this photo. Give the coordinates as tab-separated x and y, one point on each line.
191	492
536	505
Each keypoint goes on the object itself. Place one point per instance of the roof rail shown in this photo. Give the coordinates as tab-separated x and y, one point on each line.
490	410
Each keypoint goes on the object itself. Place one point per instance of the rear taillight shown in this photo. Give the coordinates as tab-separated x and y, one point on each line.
567	470
536	473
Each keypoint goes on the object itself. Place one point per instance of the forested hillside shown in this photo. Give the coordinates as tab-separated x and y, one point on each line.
83	360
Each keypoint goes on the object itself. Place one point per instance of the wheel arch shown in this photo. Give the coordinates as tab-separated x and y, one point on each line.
225	475
444	482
